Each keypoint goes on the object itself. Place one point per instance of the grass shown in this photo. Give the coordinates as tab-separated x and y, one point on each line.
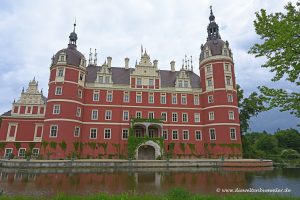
174	194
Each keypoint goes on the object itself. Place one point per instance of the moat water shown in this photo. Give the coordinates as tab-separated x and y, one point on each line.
48	182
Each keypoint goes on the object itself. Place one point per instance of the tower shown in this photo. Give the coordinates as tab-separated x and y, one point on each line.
63	120
219	96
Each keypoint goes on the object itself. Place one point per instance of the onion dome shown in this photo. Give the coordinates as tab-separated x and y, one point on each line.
70	55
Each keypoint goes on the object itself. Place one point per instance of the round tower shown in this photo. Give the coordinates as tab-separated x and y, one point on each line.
64	111
219	96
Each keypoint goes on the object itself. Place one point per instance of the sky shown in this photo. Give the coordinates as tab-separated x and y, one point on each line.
31	32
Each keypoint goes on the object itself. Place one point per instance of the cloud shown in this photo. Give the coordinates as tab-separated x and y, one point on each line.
32	31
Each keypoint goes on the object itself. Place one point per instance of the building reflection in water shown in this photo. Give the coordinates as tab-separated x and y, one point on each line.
87	181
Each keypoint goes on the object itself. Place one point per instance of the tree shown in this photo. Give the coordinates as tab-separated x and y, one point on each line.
288	139
249	107
281	46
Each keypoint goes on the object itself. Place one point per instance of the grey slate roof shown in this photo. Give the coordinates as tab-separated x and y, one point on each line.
215	46
72	54
120	75
8	113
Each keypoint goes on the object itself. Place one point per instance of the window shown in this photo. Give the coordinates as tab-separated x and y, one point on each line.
108	115
138	97
229	97
56	109
151	82
175	135
78	112
138	133
77	131
109	96
60	72
197	117
163	98
198	135
180	84
186	84
107	133
183	99
228	80
196	100
28	109
125	134
79	93
22	152
231	115
125	115
210	98
164	116
185	135
185	117
58	90
107	79
226	67
53	130
150	115
8	152
208	69
96	96
100	79
126	96
35	152
138	81
174	117
94	115
209	82
225	52
165	134
211	115
138	115
81	77
151	133
212	134
93	133
232	134
174	99
151	98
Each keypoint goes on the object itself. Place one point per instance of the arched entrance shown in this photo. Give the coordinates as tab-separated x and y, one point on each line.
146	152
149	150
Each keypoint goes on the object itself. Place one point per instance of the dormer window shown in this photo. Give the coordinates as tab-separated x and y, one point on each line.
107	79
206	54
186	84
62	58
100	79
180	84
138	81
225	52
151	82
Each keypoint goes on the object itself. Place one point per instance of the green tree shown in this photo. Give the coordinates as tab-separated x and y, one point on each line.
288	139
267	143
248	107
280	33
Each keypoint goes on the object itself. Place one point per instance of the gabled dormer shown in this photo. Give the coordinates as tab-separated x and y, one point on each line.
104	75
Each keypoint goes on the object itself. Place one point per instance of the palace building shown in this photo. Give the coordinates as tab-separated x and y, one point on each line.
132	111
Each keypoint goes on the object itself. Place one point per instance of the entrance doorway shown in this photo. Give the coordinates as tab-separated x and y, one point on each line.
146	152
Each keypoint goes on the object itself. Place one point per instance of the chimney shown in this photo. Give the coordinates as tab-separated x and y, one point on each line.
172	65
126	63
155	63
109	61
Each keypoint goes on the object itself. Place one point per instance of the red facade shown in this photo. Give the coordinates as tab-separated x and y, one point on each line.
91	110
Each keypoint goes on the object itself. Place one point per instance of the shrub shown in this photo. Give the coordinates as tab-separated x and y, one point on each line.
289	154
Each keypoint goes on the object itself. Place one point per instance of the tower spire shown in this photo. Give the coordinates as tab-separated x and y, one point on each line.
212	28
73	36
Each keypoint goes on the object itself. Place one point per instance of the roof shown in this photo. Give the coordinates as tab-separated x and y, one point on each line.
215	46
8	113
73	56
121	75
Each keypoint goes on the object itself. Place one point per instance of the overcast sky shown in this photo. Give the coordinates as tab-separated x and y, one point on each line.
32	31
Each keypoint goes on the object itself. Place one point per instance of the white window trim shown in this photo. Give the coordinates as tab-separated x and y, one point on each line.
176	117
209	116
35	131
126	93
127	133
212	99
78	109
151	95
166	116
163	95
234	133
109	133
91	133
19	153
137	113
182	97
136	97
50	136
152	114
188	134
172	99
230	99
187	117
210	134
53	111
37	153
8	137
27	108
57	71
61	90
124	111
229	115
166	132
196	135
177	134
196	103
195	117
6	150
93	115
107	95
108	111
94	93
